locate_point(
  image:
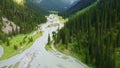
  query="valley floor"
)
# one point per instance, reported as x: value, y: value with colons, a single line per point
x: 37, y: 56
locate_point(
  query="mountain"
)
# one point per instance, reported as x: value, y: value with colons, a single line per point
x: 78, y: 6
x: 93, y: 36
x: 53, y: 5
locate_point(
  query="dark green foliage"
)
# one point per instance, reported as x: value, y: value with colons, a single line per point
x: 48, y: 39
x: 3, y: 36
x: 22, y: 16
x: 97, y: 31
x: 7, y: 42
x: 30, y: 39
x: 15, y: 47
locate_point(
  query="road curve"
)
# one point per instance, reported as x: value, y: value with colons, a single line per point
x: 37, y: 57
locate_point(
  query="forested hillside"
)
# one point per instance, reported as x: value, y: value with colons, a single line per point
x: 35, y: 6
x: 21, y: 15
x: 94, y: 36
x: 79, y: 6
x: 52, y: 5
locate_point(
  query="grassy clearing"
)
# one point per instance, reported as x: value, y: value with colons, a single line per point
x: 21, y: 41
x: 61, y: 48
x: 48, y: 47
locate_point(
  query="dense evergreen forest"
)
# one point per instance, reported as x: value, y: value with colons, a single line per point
x: 94, y: 35
x: 21, y: 15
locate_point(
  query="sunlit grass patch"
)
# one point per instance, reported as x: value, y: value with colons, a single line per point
x: 18, y: 44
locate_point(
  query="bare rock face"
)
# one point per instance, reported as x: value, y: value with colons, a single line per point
x: 9, y: 26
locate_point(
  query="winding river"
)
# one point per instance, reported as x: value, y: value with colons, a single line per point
x: 37, y: 57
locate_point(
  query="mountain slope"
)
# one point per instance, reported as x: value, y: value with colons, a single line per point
x: 93, y: 36
x: 22, y: 16
x: 78, y: 6
x: 53, y: 5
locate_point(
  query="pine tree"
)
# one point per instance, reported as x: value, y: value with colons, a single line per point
x: 49, y: 40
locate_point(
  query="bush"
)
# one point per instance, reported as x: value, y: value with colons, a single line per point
x: 15, y: 47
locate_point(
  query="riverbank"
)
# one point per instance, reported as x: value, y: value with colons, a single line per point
x: 65, y: 54
x: 1, y: 50
x: 18, y: 44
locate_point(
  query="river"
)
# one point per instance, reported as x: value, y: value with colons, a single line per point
x: 38, y: 57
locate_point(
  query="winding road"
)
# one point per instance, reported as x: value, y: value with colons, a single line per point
x: 37, y: 57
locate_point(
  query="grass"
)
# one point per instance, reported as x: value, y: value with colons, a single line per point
x: 61, y: 48
x: 22, y: 41
x: 81, y: 57
x: 48, y: 47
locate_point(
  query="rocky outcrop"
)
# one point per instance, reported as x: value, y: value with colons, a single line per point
x: 9, y: 26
